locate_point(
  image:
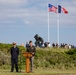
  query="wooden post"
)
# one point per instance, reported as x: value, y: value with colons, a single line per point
x: 27, y: 65
x: 27, y: 55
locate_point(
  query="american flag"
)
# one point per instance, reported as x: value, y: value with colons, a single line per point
x: 52, y: 8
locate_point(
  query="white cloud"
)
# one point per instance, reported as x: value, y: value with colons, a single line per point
x: 27, y: 22
x: 12, y: 1
x: 7, y: 21
x: 24, y: 15
x: 34, y: 14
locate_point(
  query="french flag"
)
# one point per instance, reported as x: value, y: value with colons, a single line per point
x: 60, y: 9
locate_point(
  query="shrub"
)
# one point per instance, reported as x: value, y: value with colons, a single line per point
x: 44, y: 58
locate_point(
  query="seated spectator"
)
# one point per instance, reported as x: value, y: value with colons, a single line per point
x: 53, y: 45
x: 27, y: 45
x: 70, y: 46
x: 66, y: 46
x: 22, y: 45
x: 56, y: 45
x: 43, y: 45
x: 49, y: 44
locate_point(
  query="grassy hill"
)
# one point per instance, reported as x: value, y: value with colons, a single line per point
x: 53, y: 58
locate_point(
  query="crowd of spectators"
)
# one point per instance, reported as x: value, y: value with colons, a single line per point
x: 54, y: 45
x: 39, y: 42
x: 43, y: 45
x: 69, y: 46
x: 63, y: 45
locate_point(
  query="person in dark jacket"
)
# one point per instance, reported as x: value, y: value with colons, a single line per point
x: 14, y: 51
x: 31, y: 49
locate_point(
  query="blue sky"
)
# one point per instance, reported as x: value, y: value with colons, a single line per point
x: 20, y: 20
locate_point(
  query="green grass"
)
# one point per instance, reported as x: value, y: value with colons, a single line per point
x: 48, y: 61
x: 40, y: 72
x: 53, y: 49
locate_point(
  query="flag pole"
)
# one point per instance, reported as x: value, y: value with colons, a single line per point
x: 48, y: 26
x: 58, y: 29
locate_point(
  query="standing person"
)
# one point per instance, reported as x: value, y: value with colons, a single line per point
x: 14, y: 51
x: 31, y: 49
